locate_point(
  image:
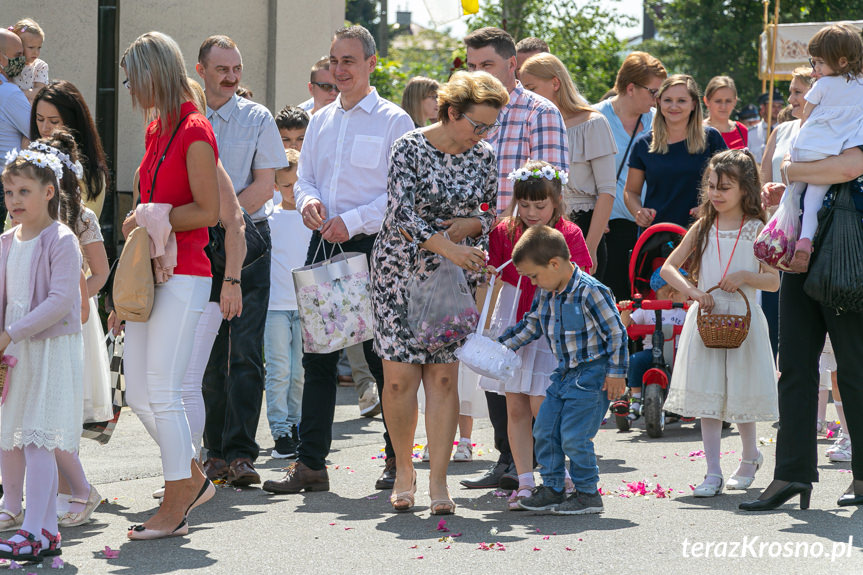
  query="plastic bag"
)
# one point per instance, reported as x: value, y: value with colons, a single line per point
x: 441, y: 308
x: 775, y: 244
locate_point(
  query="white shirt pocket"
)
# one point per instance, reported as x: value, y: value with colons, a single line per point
x: 366, y: 151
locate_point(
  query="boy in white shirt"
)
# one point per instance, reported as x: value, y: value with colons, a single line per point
x: 283, y: 342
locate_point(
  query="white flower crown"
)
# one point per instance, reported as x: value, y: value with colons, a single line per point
x: 547, y: 172
x: 39, y: 159
x: 76, y: 168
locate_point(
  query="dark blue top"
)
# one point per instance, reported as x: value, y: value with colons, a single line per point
x: 673, y: 179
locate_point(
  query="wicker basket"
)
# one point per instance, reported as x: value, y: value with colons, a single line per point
x: 4, y: 376
x: 724, y: 331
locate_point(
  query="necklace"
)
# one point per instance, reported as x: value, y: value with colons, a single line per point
x: 719, y: 250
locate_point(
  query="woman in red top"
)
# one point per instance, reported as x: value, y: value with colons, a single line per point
x: 720, y: 97
x: 537, y: 193
x: 179, y: 168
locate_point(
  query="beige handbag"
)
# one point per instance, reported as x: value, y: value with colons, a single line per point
x: 133, y: 281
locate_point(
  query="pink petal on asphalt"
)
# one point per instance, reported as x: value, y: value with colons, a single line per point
x: 57, y: 563
x: 111, y: 553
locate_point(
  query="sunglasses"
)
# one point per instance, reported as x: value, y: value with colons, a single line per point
x: 483, y: 129
x: 326, y: 87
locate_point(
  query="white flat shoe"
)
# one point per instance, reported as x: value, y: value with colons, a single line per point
x: 159, y: 493
x: 71, y: 519
x: 708, y: 489
x: 742, y: 481
x: 13, y: 521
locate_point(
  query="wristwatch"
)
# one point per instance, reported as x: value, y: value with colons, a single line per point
x: 232, y: 281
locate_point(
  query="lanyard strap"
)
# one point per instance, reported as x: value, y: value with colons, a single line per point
x: 719, y: 250
x: 161, y: 159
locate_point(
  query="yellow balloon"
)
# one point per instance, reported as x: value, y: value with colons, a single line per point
x: 470, y: 6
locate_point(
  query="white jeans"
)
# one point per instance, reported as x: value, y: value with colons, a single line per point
x: 155, y: 360
x: 193, y: 396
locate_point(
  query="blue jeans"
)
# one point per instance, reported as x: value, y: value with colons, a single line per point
x: 283, y: 348
x: 639, y: 363
x: 567, y: 421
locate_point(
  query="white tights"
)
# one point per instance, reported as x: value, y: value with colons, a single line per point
x: 41, y: 478
x: 711, y: 436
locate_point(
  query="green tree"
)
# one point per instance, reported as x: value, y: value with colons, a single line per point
x: 583, y: 37
x: 706, y: 38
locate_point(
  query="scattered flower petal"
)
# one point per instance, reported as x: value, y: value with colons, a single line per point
x: 14, y: 565
x: 57, y: 563
x: 111, y: 553
x: 441, y: 526
x: 537, y: 549
x: 493, y: 531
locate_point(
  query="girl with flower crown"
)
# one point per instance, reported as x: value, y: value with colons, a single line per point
x: 41, y: 405
x: 537, y: 200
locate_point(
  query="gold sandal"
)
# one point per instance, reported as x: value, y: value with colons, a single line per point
x: 404, y: 501
x: 442, y: 507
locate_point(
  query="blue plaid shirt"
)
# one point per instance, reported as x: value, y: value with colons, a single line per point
x: 582, y: 324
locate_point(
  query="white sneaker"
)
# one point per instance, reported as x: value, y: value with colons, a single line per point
x: 369, y: 402
x: 840, y: 450
x: 425, y: 455
x: 463, y: 452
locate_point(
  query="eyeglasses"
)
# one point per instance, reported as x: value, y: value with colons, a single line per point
x: 326, y: 87
x: 127, y: 84
x: 653, y: 91
x: 483, y: 129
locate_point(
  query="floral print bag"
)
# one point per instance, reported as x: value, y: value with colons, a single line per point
x: 335, y: 303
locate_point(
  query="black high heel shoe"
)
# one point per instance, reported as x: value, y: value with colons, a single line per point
x: 851, y: 497
x: 780, y: 497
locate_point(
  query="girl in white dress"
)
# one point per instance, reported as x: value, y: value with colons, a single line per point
x: 40, y: 313
x: 77, y: 498
x: 735, y: 385
x: 832, y: 119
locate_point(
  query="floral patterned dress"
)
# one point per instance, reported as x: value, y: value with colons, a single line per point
x: 425, y: 187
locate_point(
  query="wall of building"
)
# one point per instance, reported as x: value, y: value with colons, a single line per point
x: 279, y: 41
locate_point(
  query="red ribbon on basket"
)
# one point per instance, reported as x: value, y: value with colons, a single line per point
x: 10, y: 362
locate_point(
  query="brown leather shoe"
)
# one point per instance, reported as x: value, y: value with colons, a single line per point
x: 298, y: 478
x: 215, y: 468
x: 388, y: 476
x: 241, y: 473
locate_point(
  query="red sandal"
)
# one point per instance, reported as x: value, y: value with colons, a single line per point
x: 30, y: 541
x: 53, y: 544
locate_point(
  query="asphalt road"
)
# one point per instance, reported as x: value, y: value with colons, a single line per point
x: 351, y: 529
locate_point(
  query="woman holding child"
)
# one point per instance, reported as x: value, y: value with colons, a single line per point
x: 442, y: 193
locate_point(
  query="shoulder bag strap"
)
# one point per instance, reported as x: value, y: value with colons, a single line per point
x: 628, y: 147
x: 740, y: 133
x: 162, y: 159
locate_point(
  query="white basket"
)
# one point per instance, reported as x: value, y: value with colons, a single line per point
x: 487, y: 356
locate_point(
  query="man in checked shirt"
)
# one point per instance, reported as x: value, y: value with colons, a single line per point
x: 530, y: 128
x: 578, y: 316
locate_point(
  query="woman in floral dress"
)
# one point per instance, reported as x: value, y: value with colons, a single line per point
x: 442, y: 193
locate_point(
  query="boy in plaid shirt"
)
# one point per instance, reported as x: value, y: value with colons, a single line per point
x: 580, y: 319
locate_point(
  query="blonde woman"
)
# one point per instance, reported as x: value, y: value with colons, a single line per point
x: 419, y: 100
x: 589, y: 194
x: 671, y: 158
x: 179, y: 168
x: 720, y: 98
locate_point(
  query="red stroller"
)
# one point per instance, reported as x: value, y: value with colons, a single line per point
x: 651, y: 250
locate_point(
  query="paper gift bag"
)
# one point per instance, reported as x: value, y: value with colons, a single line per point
x: 335, y: 302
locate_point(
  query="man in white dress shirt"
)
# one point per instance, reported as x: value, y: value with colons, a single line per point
x: 342, y: 193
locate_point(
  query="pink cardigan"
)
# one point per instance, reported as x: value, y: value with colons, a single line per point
x: 55, y: 271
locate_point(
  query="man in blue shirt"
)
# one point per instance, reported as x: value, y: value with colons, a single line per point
x: 250, y: 149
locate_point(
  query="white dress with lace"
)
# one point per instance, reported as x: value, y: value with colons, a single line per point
x: 735, y: 385
x: 43, y: 404
x: 97, y: 373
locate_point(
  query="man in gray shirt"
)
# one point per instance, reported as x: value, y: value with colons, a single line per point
x: 251, y: 150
